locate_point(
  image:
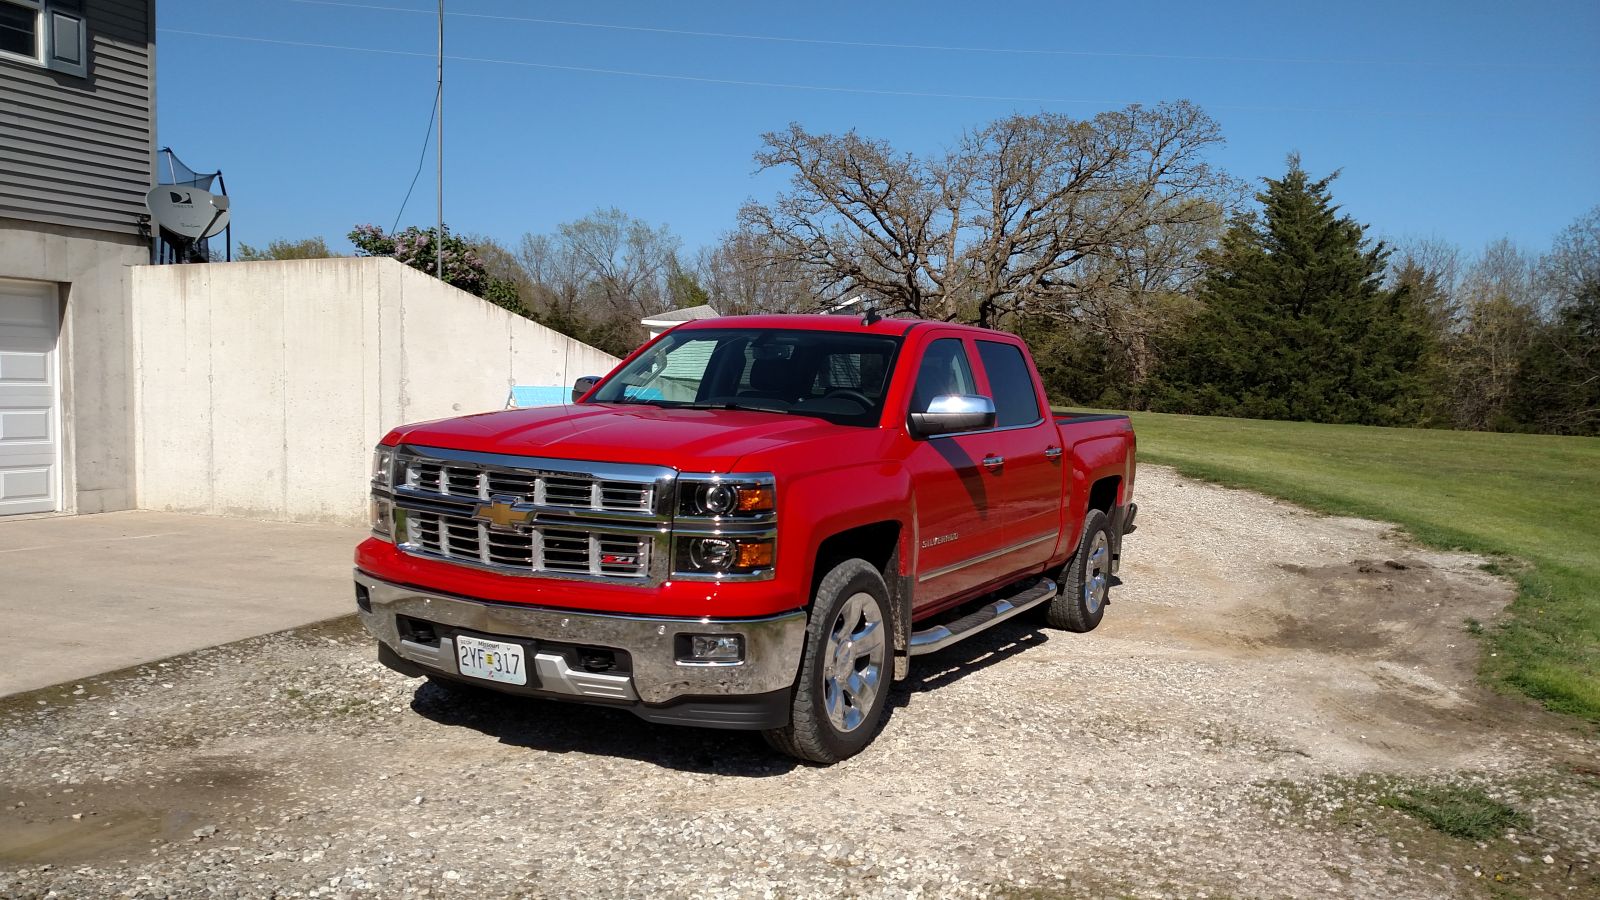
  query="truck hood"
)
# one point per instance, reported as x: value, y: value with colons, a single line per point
x: 695, y: 440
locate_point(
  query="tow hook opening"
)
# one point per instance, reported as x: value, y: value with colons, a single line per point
x: 596, y: 659
x: 417, y: 631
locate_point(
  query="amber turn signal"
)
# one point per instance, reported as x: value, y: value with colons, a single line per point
x: 753, y: 555
x: 756, y: 499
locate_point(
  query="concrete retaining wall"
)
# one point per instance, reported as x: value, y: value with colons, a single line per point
x: 262, y: 386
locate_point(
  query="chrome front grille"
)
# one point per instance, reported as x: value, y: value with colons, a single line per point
x: 539, y: 548
x: 564, y: 490
x: 530, y: 516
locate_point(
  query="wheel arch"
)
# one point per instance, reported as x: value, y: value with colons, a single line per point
x: 880, y: 545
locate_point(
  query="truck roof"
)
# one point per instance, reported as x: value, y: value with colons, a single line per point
x: 821, y: 322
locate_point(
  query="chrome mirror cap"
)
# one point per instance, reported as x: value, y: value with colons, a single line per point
x: 583, y: 386
x: 953, y: 413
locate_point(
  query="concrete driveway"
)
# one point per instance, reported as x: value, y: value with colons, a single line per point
x: 81, y: 595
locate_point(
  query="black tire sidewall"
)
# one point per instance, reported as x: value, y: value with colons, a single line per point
x: 844, y: 581
x: 1093, y: 523
x: 1067, y: 609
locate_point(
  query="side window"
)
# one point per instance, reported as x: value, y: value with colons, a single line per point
x: 19, y: 28
x: 1014, y: 400
x: 944, y: 370
x: 45, y: 32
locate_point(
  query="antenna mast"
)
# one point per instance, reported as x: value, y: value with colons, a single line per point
x: 438, y: 234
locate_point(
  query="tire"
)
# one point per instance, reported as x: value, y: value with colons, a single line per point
x: 1086, y: 585
x: 845, y: 671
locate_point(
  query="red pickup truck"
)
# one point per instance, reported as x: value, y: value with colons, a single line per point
x: 751, y: 523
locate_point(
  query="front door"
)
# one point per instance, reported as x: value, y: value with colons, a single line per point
x: 30, y: 398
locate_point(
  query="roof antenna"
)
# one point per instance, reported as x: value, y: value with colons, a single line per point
x: 869, y: 312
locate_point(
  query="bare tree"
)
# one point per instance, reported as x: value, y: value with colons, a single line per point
x: 624, y: 259
x: 1431, y: 270
x: 747, y: 272
x: 1572, y: 266
x: 1027, y: 213
x: 1499, y: 299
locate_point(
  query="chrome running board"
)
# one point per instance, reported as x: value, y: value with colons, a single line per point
x: 941, y: 636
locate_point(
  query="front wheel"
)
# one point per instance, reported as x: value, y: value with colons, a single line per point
x: 1086, y: 586
x: 843, y: 686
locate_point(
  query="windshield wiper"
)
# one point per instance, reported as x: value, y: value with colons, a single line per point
x: 728, y: 404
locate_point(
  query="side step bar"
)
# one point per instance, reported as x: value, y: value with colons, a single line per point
x: 942, y: 636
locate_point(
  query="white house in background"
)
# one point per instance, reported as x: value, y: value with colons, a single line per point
x: 663, y: 321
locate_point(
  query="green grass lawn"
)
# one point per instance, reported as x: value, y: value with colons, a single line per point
x: 1532, y: 498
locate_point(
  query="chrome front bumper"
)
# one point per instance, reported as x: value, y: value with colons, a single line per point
x: 772, y: 645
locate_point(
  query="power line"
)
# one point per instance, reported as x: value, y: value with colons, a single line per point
x: 1478, y: 115
x: 656, y: 75
x: 947, y: 48
x: 426, y: 135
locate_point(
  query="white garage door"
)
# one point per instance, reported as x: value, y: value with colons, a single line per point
x: 30, y: 398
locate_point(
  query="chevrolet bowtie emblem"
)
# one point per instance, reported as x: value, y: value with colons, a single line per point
x: 503, y: 514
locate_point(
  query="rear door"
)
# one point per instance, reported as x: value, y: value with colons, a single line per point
x: 1028, y: 442
x: 960, y: 530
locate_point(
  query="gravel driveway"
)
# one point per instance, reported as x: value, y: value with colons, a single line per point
x: 1261, y: 679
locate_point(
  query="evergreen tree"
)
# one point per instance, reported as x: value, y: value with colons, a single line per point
x: 1296, y: 323
x: 1558, y: 381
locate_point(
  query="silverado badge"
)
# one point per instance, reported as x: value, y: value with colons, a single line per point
x: 503, y: 514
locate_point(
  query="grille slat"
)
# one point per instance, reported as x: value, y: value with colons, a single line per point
x: 582, y: 550
x: 564, y: 550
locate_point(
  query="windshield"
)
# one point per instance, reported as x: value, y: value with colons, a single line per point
x: 832, y: 375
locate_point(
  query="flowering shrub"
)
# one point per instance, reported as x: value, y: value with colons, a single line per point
x: 463, y: 267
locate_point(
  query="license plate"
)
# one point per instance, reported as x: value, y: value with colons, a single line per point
x: 491, y: 660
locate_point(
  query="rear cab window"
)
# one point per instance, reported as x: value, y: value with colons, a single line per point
x: 1016, y: 403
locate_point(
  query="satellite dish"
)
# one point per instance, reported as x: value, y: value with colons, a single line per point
x: 188, y: 212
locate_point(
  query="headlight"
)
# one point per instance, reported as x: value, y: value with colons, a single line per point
x: 719, y: 556
x: 750, y: 496
x: 380, y: 506
x: 726, y: 527
x: 381, y: 511
x: 383, y: 467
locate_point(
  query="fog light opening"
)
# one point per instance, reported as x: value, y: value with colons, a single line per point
x: 711, y: 649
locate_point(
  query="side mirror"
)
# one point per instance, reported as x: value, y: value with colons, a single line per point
x: 583, y: 386
x: 952, y: 413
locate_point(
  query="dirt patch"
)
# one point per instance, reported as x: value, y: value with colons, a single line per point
x: 1263, y: 679
x: 118, y: 818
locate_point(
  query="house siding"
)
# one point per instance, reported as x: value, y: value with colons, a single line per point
x: 80, y: 152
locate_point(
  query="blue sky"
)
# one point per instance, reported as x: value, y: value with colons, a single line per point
x: 1466, y: 121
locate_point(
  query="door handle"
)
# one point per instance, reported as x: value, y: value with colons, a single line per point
x: 993, y: 462
x: 1052, y: 453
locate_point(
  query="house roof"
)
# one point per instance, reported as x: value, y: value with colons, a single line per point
x: 688, y: 314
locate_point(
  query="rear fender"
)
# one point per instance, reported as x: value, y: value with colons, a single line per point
x: 1092, y: 460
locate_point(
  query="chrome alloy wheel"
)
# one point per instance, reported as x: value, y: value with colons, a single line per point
x: 1097, y: 573
x: 854, y: 664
